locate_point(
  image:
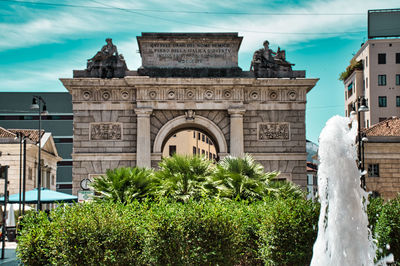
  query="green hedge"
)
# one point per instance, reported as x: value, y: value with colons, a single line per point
x: 387, y: 230
x: 204, y: 232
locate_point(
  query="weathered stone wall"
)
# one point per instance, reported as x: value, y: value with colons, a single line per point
x: 255, y: 144
x: 263, y: 117
x: 85, y: 142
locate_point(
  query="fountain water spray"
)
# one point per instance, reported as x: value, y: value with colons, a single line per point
x: 343, y: 234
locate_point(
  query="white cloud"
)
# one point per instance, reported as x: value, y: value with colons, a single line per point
x: 277, y: 29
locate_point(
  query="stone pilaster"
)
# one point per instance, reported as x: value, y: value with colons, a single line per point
x: 143, y: 152
x: 236, y: 131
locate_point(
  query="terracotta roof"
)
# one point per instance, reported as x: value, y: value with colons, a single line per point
x: 387, y: 128
x: 32, y: 134
x: 4, y: 133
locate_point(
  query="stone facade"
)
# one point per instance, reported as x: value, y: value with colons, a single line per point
x: 10, y: 155
x: 387, y: 157
x: 232, y: 111
x: 189, y: 81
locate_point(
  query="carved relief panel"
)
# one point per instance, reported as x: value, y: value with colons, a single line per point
x: 273, y: 131
x: 106, y: 131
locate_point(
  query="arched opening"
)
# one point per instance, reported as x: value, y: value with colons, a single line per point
x: 198, y: 124
x: 190, y: 141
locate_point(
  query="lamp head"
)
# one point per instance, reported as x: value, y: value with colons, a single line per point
x: 363, y: 107
x: 34, y: 105
x: 44, y: 111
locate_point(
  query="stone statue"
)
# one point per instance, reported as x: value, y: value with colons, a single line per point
x: 107, y: 63
x: 268, y: 64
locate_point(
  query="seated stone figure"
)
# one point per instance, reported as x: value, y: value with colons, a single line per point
x: 268, y: 64
x: 107, y: 63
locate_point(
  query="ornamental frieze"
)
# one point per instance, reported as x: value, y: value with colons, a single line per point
x: 104, y: 94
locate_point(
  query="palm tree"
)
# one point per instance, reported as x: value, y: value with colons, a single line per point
x: 285, y: 189
x: 125, y: 184
x: 183, y: 177
x: 242, y: 178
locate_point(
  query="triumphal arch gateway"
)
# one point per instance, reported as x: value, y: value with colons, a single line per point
x: 188, y: 81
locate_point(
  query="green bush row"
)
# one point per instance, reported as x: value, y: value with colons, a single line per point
x: 203, y: 232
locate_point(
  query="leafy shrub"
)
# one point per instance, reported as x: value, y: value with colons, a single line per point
x: 125, y: 184
x: 374, y: 209
x: 183, y: 177
x: 85, y: 234
x: 388, y: 229
x: 242, y: 178
x: 354, y: 65
x: 288, y: 232
x: 203, y: 232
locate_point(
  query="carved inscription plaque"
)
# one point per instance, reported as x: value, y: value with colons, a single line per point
x: 106, y: 131
x: 189, y: 50
x: 273, y: 131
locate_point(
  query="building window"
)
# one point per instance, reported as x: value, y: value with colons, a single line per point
x: 198, y: 135
x: 203, y: 138
x: 172, y: 150
x: 397, y: 101
x: 29, y: 173
x: 382, y: 101
x: 366, y: 83
x: 194, y: 150
x: 350, y: 89
x: 382, y: 80
x: 194, y: 134
x: 366, y: 61
x: 207, y: 140
x: 397, y: 58
x: 203, y: 152
x: 382, y: 119
x: 373, y: 170
x: 381, y: 58
x: 397, y: 79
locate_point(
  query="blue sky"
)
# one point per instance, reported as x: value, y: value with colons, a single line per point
x: 42, y: 41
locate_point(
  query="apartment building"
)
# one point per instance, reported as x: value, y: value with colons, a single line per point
x: 374, y: 73
x: 190, y: 142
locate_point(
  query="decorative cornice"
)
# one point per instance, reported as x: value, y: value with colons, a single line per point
x: 104, y: 156
x: 279, y: 156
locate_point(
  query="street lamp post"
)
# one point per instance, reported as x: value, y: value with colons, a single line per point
x: 21, y: 138
x: 37, y: 102
x: 361, y: 107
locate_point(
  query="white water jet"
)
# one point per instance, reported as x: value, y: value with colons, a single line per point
x: 343, y: 234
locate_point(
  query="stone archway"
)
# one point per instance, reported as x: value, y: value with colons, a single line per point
x: 123, y: 121
x: 182, y: 122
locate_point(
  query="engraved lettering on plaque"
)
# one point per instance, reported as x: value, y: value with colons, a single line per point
x: 105, y: 131
x: 273, y: 131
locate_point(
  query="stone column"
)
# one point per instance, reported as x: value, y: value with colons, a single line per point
x: 236, y: 138
x: 143, y: 149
